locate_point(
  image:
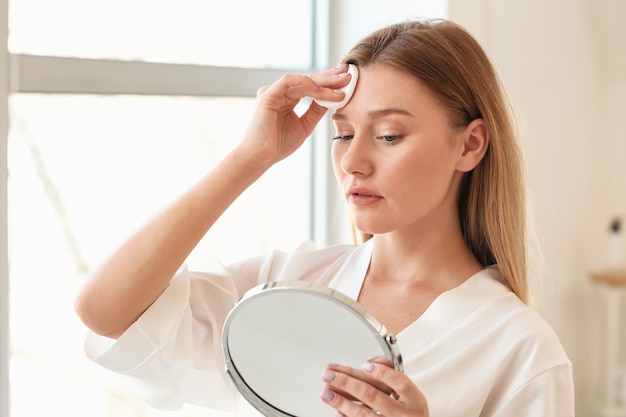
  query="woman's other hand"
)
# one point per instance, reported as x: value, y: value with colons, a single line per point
x: 377, y: 389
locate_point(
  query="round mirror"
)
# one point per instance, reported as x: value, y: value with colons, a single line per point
x: 280, y: 336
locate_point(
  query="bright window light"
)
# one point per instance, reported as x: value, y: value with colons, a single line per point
x: 245, y: 33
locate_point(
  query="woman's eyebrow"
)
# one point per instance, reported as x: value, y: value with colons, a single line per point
x: 376, y: 114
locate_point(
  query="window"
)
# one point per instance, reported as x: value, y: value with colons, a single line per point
x: 96, y: 155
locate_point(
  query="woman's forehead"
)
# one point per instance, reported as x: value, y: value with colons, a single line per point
x: 384, y: 90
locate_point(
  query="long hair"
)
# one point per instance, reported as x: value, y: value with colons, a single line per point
x: 447, y: 59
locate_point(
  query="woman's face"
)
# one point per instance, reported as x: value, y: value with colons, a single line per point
x: 396, y: 154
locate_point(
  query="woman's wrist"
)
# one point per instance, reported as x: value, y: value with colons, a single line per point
x: 251, y: 161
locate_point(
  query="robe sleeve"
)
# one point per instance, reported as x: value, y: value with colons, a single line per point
x: 173, y: 351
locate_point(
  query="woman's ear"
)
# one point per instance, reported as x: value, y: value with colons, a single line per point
x: 475, y: 143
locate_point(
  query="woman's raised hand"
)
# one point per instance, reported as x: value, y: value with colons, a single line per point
x: 275, y: 130
x: 378, y: 389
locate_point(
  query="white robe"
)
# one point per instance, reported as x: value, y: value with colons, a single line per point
x: 476, y: 351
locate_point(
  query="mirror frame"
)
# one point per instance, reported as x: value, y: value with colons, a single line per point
x: 386, y: 340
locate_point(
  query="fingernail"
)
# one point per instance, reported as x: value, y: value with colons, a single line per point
x: 373, y: 358
x: 368, y: 367
x: 328, y: 376
x: 340, y: 414
x: 339, y: 66
x: 338, y: 92
x: 328, y: 395
x: 343, y: 74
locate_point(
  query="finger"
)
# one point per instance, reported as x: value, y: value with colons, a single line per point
x: 312, y: 116
x: 360, y: 374
x: 346, y: 406
x: 403, y: 391
x: 399, y: 384
x: 260, y: 92
x: 352, y: 385
x: 290, y: 88
x: 381, y: 360
x: 333, y: 78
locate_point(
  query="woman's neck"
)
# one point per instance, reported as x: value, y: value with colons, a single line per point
x: 438, y: 260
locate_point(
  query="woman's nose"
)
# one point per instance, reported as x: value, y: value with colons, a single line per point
x: 356, y: 159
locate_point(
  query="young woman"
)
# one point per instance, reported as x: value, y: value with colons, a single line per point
x: 427, y: 157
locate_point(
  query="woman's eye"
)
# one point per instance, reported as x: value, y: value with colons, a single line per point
x: 389, y: 138
x: 343, y: 137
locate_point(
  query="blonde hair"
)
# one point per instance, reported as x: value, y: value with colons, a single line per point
x: 450, y: 61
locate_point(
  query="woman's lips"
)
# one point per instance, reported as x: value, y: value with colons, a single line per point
x: 362, y: 196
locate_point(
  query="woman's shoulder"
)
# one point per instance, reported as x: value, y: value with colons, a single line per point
x: 521, y: 327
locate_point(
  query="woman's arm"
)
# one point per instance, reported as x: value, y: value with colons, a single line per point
x: 118, y: 292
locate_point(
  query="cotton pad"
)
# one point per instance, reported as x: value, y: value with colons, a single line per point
x: 348, y: 90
